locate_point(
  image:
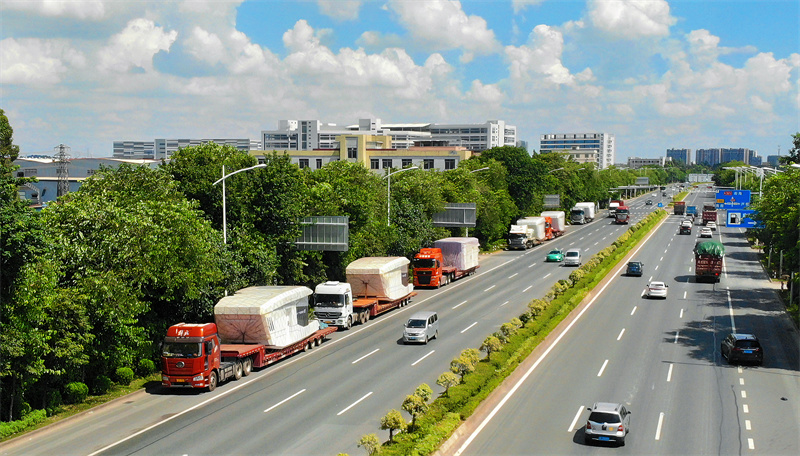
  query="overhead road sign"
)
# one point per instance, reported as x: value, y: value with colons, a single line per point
x: 740, y: 218
x: 733, y: 199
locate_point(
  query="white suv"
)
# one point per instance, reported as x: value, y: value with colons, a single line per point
x: 572, y: 257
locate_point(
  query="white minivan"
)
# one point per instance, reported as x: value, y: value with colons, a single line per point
x: 572, y: 257
x: 421, y: 327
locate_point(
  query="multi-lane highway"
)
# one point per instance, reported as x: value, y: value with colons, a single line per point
x: 322, y: 401
x: 661, y: 358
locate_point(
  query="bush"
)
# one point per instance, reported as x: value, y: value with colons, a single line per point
x: 101, y: 385
x: 31, y: 419
x: 124, y: 375
x: 145, y: 367
x: 76, y: 392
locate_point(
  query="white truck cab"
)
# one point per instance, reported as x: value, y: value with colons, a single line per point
x: 333, y: 304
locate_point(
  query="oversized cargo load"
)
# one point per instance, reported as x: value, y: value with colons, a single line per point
x: 679, y: 208
x: 384, y: 277
x: 521, y: 237
x: 459, y: 252
x: 537, y: 223
x: 269, y: 315
x: 583, y: 212
x: 712, y: 248
x: 559, y: 219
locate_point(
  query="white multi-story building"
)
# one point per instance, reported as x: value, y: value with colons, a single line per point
x: 164, y: 148
x: 637, y: 162
x: 598, y: 148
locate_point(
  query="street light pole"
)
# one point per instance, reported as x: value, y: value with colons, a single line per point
x: 224, y: 208
x: 389, y: 192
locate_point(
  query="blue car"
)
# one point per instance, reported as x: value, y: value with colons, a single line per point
x: 635, y: 268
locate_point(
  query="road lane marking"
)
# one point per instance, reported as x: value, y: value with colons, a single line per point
x: 596, y: 242
x: 744, y: 394
x: 470, y: 326
x: 285, y: 400
x: 621, y: 333
x: 730, y: 311
x: 370, y: 353
x: 458, y: 305
x: 513, y: 275
x: 676, y: 336
x: 355, y: 403
x: 548, y: 275
x: 575, y: 420
x: 660, y: 423
x: 602, y: 368
x: 745, y: 408
x: 634, y: 310
x: 534, y: 264
x: 489, y: 288
x: 656, y: 269
x: 750, y: 444
x: 651, y: 279
x: 662, y: 259
x: 429, y: 354
x: 501, y: 305
x: 681, y: 315
x: 747, y: 425
x: 741, y: 381
x: 582, y: 238
x: 739, y: 369
x: 645, y: 289
x: 571, y: 243
x: 527, y: 289
x: 669, y: 372
x: 684, y: 294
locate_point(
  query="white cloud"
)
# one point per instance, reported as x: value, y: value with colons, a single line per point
x: 205, y: 46
x: 93, y: 10
x: 631, y: 19
x: 485, y: 93
x: 37, y: 62
x: 340, y: 9
x: 520, y: 5
x: 540, y: 58
x: 443, y: 25
x: 135, y: 46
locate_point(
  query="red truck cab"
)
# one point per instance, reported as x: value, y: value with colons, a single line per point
x: 428, y: 264
x: 622, y: 215
x: 190, y: 354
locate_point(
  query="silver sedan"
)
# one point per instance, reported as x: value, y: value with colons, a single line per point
x: 656, y: 290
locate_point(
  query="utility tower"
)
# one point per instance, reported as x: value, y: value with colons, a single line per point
x: 62, y: 158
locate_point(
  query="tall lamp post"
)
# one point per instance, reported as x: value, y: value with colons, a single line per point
x: 224, y: 209
x: 389, y: 190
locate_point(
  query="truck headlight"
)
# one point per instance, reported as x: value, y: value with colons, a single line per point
x: 164, y: 378
x: 197, y: 378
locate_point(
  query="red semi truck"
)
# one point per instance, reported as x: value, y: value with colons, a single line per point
x: 450, y: 259
x: 192, y: 355
x: 622, y: 215
x: 709, y: 213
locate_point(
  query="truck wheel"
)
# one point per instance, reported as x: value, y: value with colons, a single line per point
x: 237, y: 370
x: 212, y: 382
x: 365, y: 317
x: 349, y: 323
x: 247, y: 367
x: 309, y: 345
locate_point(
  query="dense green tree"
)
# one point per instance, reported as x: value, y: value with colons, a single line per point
x: 393, y: 421
x: 794, y: 152
x: 523, y: 175
x: 778, y: 211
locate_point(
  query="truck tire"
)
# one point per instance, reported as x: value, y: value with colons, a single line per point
x: 247, y: 366
x: 237, y: 370
x: 349, y: 323
x: 212, y: 382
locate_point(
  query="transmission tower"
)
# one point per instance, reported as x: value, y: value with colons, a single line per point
x: 62, y: 158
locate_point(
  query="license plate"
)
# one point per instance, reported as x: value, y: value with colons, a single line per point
x: 605, y: 439
x: 180, y: 380
x: 748, y: 351
x: 611, y: 428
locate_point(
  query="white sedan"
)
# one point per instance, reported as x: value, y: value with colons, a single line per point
x: 712, y: 226
x: 656, y: 290
x: 705, y: 232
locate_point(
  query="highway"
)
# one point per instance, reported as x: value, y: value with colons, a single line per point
x: 323, y: 401
x: 661, y: 359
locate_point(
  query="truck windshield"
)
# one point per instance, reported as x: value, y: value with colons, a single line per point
x: 577, y: 212
x: 182, y: 350
x: 425, y: 263
x: 329, y: 300
x: 515, y: 236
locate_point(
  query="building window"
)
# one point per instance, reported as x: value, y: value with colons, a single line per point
x: 427, y: 163
x: 319, y: 163
x: 373, y: 163
x: 386, y: 163
x: 89, y: 172
x: 352, y: 152
x: 303, y: 163
x: 449, y: 163
x: 406, y: 162
x: 29, y: 172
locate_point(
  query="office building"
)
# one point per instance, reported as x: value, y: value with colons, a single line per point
x: 710, y: 157
x: 680, y: 156
x: 773, y: 160
x: 598, y: 148
x: 164, y: 148
x: 636, y: 162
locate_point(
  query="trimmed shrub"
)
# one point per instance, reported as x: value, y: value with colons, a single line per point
x: 124, y: 375
x: 76, y: 392
x: 31, y: 419
x: 101, y: 385
x: 145, y: 367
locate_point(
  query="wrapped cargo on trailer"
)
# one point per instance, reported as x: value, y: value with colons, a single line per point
x: 385, y: 277
x: 538, y: 225
x: 270, y: 315
x: 459, y: 252
x: 558, y: 221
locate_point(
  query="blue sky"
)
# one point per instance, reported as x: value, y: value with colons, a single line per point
x: 658, y: 74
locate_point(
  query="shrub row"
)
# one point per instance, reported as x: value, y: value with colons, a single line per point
x: 458, y: 402
x: 31, y: 419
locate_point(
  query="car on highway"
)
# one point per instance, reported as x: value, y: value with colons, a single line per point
x: 572, y: 257
x: 608, y: 422
x: 656, y: 290
x: 635, y: 268
x: 705, y: 232
x: 712, y: 226
x: 663, y: 193
x: 648, y: 203
x: 685, y: 228
x: 421, y: 327
x: 555, y: 255
x: 739, y: 347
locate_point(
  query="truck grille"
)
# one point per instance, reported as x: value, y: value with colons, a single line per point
x: 424, y: 278
x: 330, y: 315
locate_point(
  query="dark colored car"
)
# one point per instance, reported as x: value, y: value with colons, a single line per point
x: 742, y: 347
x: 685, y: 229
x: 635, y: 268
x: 648, y: 203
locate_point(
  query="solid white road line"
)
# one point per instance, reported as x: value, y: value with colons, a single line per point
x: 285, y: 400
x: 575, y: 420
x: 370, y: 353
x: 489, y: 288
x: 470, y: 326
x: 669, y: 372
x: 599, y: 374
x: 660, y: 423
x: 621, y: 333
x: 429, y: 354
x: 462, y: 303
x: 355, y: 403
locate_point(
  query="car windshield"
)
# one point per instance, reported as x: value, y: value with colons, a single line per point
x: 555, y: 252
x: 657, y: 285
x: 424, y: 263
x: 415, y: 324
x: 182, y: 350
x: 604, y: 417
x: 572, y: 254
x: 329, y: 300
x: 634, y: 265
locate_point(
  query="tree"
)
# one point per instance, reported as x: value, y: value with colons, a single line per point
x: 424, y: 391
x: 414, y: 405
x: 778, y: 210
x: 392, y: 421
x: 370, y: 443
x: 490, y: 345
x: 447, y: 380
x: 465, y: 363
x: 794, y: 152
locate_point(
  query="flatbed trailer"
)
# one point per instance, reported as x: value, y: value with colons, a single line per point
x: 371, y: 307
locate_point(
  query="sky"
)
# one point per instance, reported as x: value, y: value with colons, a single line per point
x: 657, y: 74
